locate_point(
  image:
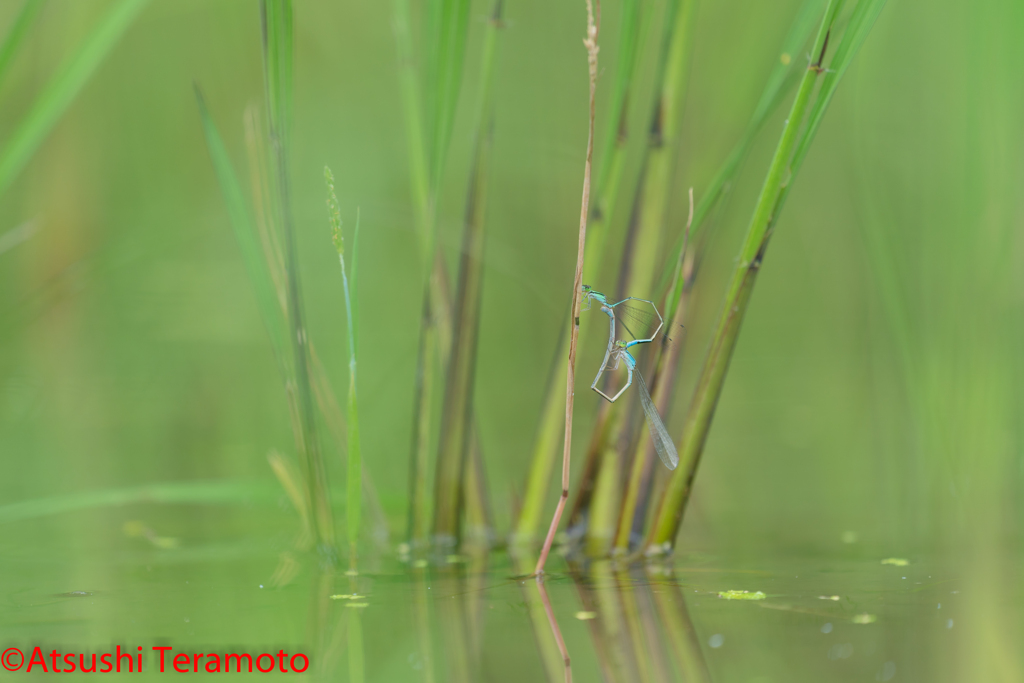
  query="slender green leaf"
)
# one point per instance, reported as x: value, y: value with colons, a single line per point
x: 184, y: 492
x: 448, y: 26
x: 62, y: 89
x: 709, y: 388
x: 863, y: 18
x: 625, y: 66
x: 787, y: 68
x: 278, y: 48
x: 277, y: 56
x: 14, y: 37
x: 355, y: 464
x: 244, y: 229
x: 457, y: 414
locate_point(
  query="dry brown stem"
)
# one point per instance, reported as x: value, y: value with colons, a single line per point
x: 590, y: 42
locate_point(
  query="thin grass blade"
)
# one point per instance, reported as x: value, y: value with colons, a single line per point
x: 456, y: 443
x: 355, y: 464
x: 783, y: 75
x: 278, y: 48
x: 62, y: 89
x: 777, y: 181
x: 448, y: 26
x: 861, y: 22
x: 19, y: 28
x: 244, y: 229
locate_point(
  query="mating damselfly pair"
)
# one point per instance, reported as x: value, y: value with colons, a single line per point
x: 649, y: 323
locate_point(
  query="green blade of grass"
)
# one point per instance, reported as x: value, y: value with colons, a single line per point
x: 354, y: 476
x: 278, y: 47
x: 412, y: 109
x: 428, y: 130
x: 457, y: 414
x: 613, y: 152
x: 278, y: 50
x: 863, y: 18
x: 650, y: 205
x: 780, y: 79
x: 244, y: 229
x: 355, y: 454
x: 698, y: 421
x: 62, y: 89
x: 212, y: 492
x: 448, y: 23
x: 861, y: 22
x: 15, y: 36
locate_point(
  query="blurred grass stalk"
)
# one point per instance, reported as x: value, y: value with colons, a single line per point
x: 273, y: 263
x: 680, y: 273
x: 272, y: 267
x: 424, y: 126
x: 789, y: 155
x: 61, y: 90
x: 353, y: 480
x: 429, y: 118
x: 276, y: 21
x: 606, y: 190
x: 457, y: 413
x: 666, y: 363
x: 16, y: 34
x: 783, y: 76
x: 648, y: 232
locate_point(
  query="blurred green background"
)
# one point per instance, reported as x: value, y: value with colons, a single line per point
x: 876, y: 386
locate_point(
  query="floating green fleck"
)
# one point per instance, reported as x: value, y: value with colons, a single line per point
x: 829, y: 597
x: 896, y: 561
x: 865, y: 619
x: 742, y: 595
x: 347, y: 596
x: 586, y: 616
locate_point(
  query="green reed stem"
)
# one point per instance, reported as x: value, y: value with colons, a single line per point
x: 698, y: 421
x: 634, y: 500
x: 783, y: 75
x: 353, y: 501
x: 457, y: 415
x: 651, y: 201
x: 277, y: 27
x: 611, y: 162
x: 428, y: 132
x: 273, y: 257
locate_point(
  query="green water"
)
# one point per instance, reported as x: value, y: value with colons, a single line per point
x: 90, y: 587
